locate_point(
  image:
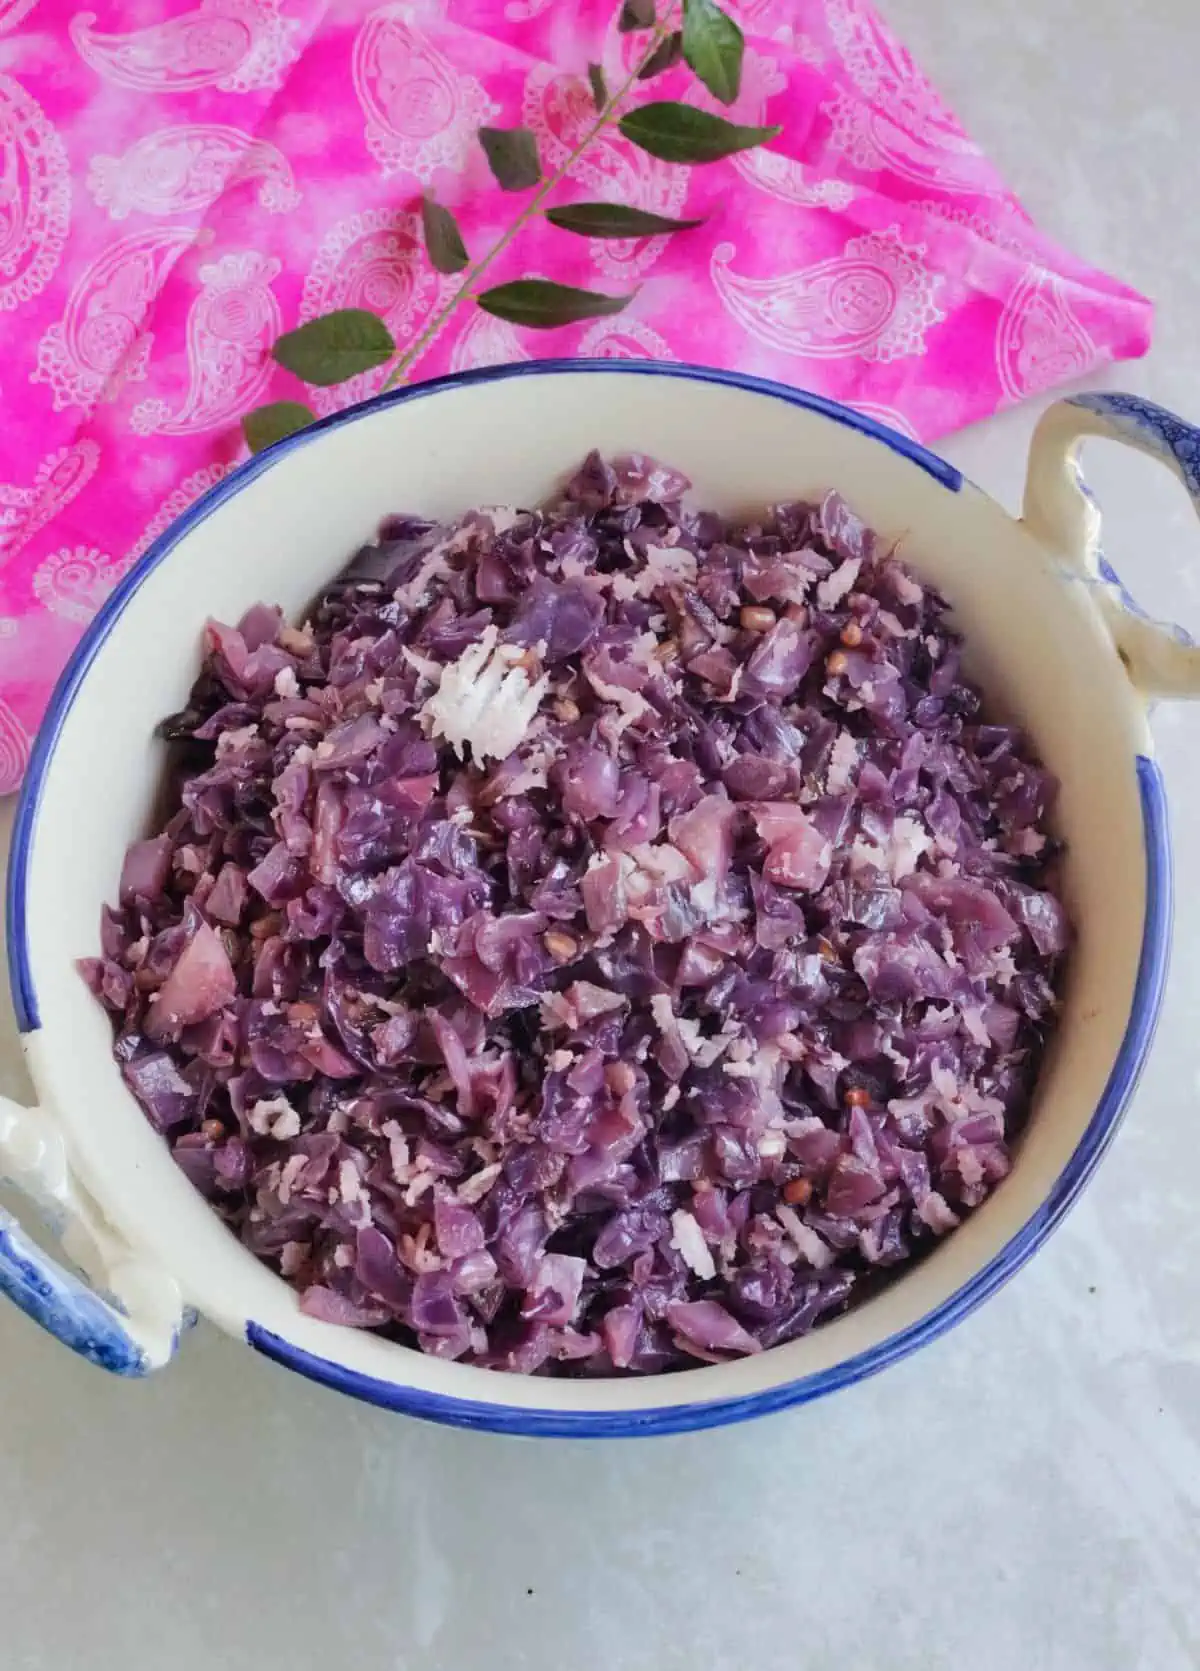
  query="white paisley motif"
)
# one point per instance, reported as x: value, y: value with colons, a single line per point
x: 236, y: 45
x: 871, y: 142
x: 624, y: 339
x: 181, y: 170
x: 375, y: 260
x: 785, y: 178
x: 558, y: 109
x: 886, y: 75
x: 898, y: 122
x: 14, y: 749
x: 421, y: 113
x: 35, y: 196
x: 74, y: 583
x: 875, y: 301
x: 956, y: 215
x: 57, y: 480
x: 487, y: 341
x: 173, y: 506
x: 781, y: 176
x: 99, y: 346
x: 231, y: 326
x: 1039, y: 341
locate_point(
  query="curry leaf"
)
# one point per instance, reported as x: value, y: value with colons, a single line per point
x: 636, y: 14
x: 443, y: 240
x: 680, y: 133
x: 268, y: 424
x: 598, y: 85
x: 712, y: 45
x: 614, y: 220
x: 543, y: 304
x: 512, y: 157
x: 664, y: 57
x: 336, y: 346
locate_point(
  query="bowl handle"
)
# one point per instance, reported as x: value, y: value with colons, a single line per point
x: 1061, y: 512
x: 132, y: 1324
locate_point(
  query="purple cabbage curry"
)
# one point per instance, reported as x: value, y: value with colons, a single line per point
x: 602, y: 939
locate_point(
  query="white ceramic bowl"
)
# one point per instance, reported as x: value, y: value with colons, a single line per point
x: 1055, y: 644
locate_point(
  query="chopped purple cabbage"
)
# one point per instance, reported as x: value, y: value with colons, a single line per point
x: 602, y: 939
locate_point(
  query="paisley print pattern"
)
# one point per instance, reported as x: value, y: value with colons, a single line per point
x: 376, y: 261
x: 892, y: 120
x: 1012, y: 236
x: 101, y: 344
x: 182, y: 180
x: 875, y: 301
x: 790, y: 181
x: 14, y: 749
x: 625, y: 339
x: 874, y: 144
x: 25, y: 510
x: 35, y: 196
x: 420, y: 114
x: 486, y: 341
x: 1039, y: 341
x: 230, y: 329
x: 236, y: 45
x: 884, y: 74
x: 774, y: 172
x: 74, y: 583
x: 181, y: 170
x: 174, y: 506
x: 558, y: 109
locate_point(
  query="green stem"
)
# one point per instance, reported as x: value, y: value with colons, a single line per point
x: 604, y: 117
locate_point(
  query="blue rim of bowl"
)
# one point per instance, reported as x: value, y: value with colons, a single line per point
x: 511, y: 1419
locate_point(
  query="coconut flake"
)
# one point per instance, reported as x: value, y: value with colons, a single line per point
x: 688, y: 1238
x: 843, y: 758
x: 630, y: 705
x: 229, y: 741
x: 286, y: 1126
x: 833, y: 589
x: 293, y: 1167
x: 936, y: 1212
x: 477, y: 1186
x: 1026, y: 844
x: 398, y: 1150
x: 910, y: 842
x: 810, y: 1246
x: 485, y: 700
x: 349, y: 1182
x: 665, y: 566
x: 269, y: 1113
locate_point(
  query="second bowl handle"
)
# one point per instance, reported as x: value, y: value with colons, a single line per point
x: 1061, y: 512
x: 135, y: 1331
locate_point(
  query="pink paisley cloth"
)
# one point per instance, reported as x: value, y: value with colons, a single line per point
x: 179, y: 183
